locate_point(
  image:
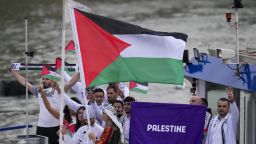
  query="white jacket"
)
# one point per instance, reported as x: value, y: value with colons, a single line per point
x: 229, y: 126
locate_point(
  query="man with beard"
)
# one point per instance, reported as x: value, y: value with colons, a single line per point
x: 119, y: 106
x: 127, y: 117
x: 112, y: 94
x: 122, y: 90
x: 48, y: 125
x: 222, y: 128
x: 99, y: 96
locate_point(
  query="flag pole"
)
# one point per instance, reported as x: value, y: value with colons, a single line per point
x: 237, y: 37
x: 26, y: 81
x: 79, y: 60
x: 62, y: 68
x: 38, y: 66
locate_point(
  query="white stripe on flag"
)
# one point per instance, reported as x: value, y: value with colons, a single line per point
x: 148, y: 46
x: 142, y: 87
x: 54, y: 74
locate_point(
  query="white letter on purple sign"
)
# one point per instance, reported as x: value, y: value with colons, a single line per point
x: 149, y: 127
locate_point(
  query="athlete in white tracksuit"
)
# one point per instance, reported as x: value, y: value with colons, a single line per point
x: 223, y: 127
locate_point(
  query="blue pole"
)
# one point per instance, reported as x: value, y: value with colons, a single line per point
x: 15, y: 127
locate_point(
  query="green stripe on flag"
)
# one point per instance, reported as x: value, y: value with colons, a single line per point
x: 153, y: 70
x: 52, y: 77
x: 139, y: 90
x: 71, y: 52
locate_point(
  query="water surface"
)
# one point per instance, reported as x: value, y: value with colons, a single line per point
x: 202, y: 20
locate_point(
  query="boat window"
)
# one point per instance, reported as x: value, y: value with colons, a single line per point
x: 214, y: 92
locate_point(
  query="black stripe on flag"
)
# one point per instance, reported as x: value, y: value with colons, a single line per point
x: 50, y: 68
x: 143, y: 83
x: 118, y: 27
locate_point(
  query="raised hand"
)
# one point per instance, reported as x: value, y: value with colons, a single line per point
x: 120, y: 93
x: 92, y: 136
x: 63, y: 130
x: 40, y: 89
x: 91, y: 96
x: 56, y: 86
x: 14, y: 66
x: 230, y: 93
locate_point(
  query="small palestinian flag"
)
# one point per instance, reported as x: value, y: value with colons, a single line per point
x: 58, y: 64
x: 70, y: 47
x: 112, y: 50
x: 49, y: 72
x: 138, y: 87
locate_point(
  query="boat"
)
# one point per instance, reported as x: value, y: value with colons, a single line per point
x: 211, y: 76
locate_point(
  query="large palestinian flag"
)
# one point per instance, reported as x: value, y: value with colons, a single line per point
x: 113, y: 51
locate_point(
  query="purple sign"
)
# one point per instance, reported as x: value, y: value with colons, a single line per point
x: 160, y: 123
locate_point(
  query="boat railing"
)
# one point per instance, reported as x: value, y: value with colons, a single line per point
x: 14, y: 127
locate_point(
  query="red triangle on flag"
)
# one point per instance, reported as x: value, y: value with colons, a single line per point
x: 70, y: 46
x: 98, y: 48
x: 57, y: 63
x: 45, y: 70
x: 132, y: 85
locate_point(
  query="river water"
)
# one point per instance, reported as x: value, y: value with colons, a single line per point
x: 203, y: 21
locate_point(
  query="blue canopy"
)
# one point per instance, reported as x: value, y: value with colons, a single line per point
x: 212, y: 69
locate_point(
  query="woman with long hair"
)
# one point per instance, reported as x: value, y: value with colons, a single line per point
x: 79, y: 118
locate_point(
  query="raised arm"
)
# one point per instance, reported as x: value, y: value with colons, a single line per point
x: 22, y: 80
x: 233, y: 107
x: 70, y: 103
x: 75, y: 86
x: 47, y: 104
x: 98, y: 112
x: 72, y: 83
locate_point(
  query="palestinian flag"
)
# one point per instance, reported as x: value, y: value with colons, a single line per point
x: 49, y: 72
x: 113, y: 51
x: 138, y: 87
x: 58, y: 65
x: 70, y: 47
